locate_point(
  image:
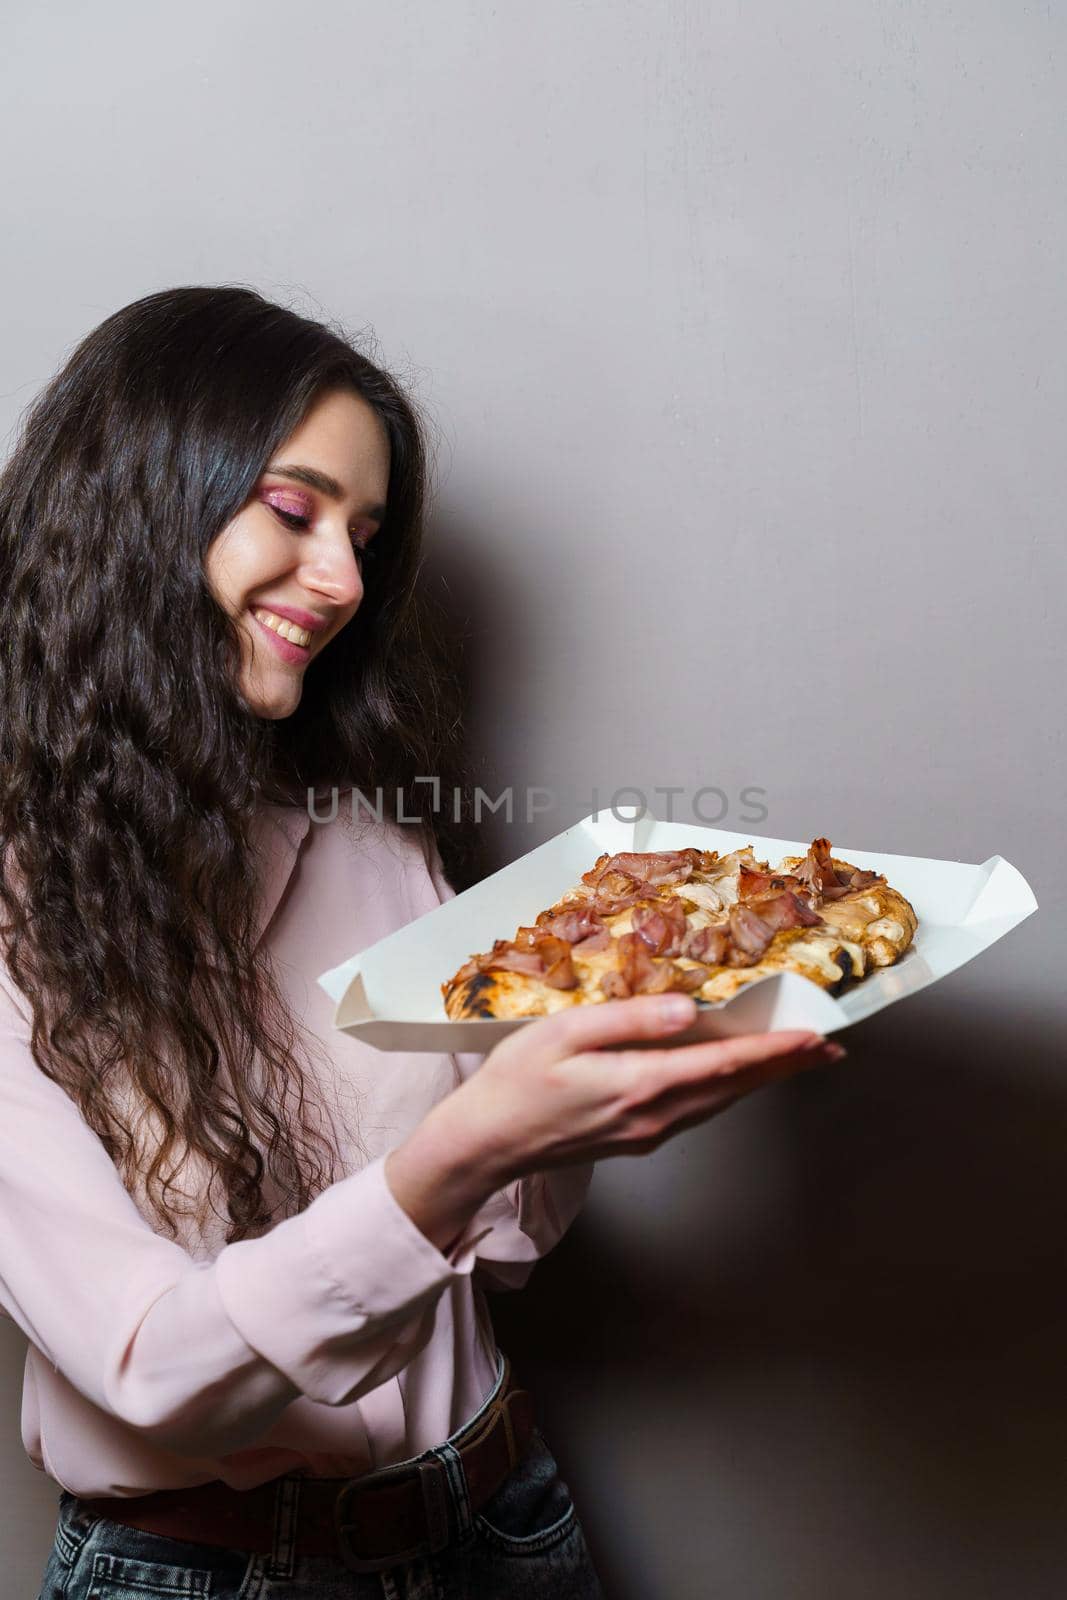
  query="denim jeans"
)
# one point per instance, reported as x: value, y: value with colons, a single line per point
x: 524, y: 1543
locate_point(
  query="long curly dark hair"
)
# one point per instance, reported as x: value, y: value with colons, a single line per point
x: 130, y: 766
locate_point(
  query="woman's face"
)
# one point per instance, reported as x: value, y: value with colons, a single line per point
x: 291, y: 559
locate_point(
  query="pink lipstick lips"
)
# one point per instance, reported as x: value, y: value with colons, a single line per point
x: 294, y: 654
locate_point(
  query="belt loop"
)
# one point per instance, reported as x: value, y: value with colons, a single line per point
x: 434, y: 1479
x: 286, y: 1510
x: 448, y: 1456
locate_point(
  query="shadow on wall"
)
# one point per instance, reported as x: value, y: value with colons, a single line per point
x: 474, y: 614
x: 893, y: 1354
x: 824, y: 1354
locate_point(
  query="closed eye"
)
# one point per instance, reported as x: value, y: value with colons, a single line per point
x: 291, y: 519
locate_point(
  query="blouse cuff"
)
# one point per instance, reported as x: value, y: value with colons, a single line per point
x: 327, y: 1295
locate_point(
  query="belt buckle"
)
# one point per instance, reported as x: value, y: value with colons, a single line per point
x: 433, y: 1481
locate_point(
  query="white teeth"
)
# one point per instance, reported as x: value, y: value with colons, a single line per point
x: 288, y: 630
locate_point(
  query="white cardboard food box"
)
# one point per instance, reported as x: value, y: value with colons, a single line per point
x: 390, y: 993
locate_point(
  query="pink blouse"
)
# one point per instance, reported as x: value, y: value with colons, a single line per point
x: 341, y: 1340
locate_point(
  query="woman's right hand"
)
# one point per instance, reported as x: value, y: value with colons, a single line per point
x: 578, y: 1086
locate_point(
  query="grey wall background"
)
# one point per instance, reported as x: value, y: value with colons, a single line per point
x: 743, y: 328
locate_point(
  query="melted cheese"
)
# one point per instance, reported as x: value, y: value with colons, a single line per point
x: 846, y: 915
x: 707, y: 897
x: 806, y: 948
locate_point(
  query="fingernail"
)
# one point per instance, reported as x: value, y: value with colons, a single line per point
x: 818, y: 1043
x: 676, y: 1008
x: 835, y: 1051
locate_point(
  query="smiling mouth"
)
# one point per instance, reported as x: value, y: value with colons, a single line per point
x: 285, y: 630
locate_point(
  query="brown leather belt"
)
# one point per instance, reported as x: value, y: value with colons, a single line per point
x: 371, y: 1522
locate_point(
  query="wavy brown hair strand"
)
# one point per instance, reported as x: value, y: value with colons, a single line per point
x: 132, y: 769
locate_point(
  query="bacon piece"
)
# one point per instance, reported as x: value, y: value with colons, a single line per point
x: 606, y: 865
x: 609, y: 905
x: 638, y: 973
x: 703, y: 860
x: 853, y: 878
x: 613, y: 882
x: 596, y: 941
x: 559, y: 968
x: 818, y: 870
x: 571, y: 924
x: 753, y: 926
x: 706, y: 944
x: 690, y: 978
x: 534, y: 953
x: 786, y: 910
x: 512, y: 960
x: 638, y: 968
x: 662, y: 925
x: 754, y: 885
x: 749, y: 937
x: 817, y: 867
x: 652, y: 867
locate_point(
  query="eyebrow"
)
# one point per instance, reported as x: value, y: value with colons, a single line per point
x: 325, y: 485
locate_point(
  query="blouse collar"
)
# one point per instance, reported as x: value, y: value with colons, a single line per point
x: 278, y: 834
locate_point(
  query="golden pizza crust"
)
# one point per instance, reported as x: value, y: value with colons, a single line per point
x: 506, y: 994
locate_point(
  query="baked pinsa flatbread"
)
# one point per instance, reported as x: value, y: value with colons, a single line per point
x: 642, y: 923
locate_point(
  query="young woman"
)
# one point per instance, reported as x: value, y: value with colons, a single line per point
x: 249, y: 1254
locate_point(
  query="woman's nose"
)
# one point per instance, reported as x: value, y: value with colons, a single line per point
x: 333, y: 569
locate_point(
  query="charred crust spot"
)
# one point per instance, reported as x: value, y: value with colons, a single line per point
x: 844, y: 961
x: 477, y: 992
